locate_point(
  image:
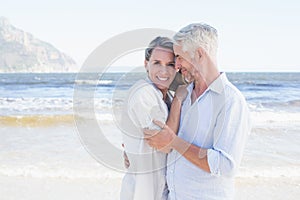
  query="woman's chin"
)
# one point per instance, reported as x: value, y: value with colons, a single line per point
x: 162, y: 87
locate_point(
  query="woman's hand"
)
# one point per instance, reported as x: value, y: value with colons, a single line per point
x: 181, y: 92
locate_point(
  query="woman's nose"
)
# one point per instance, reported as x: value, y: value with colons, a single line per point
x: 164, y: 69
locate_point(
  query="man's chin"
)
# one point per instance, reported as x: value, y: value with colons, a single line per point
x: 188, y: 79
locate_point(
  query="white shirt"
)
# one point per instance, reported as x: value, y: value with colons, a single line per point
x: 146, y: 176
x: 218, y: 121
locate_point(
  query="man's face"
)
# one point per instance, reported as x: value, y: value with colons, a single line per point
x: 184, y: 63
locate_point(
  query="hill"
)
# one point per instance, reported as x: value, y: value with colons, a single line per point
x: 22, y: 52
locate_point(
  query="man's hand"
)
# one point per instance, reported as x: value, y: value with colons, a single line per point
x: 160, y: 140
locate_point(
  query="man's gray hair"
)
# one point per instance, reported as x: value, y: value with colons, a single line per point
x: 197, y: 35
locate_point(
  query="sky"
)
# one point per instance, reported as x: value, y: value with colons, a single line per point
x: 256, y: 35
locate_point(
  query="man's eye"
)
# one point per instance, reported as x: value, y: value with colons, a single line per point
x: 171, y: 65
x: 178, y: 57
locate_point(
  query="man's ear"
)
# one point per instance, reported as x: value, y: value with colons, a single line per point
x: 199, y: 53
x: 146, y: 65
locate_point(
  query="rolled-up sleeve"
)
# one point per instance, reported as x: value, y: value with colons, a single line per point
x: 230, y: 135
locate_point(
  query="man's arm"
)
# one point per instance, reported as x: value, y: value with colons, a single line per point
x: 192, y: 153
x: 167, y: 137
x: 229, y: 141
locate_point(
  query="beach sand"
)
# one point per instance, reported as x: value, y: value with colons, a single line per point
x: 28, y: 188
x: 50, y: 163
x: 267, y: 188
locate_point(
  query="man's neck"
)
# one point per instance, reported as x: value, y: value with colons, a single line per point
x: 199, y: 88
x: 206, y: 75
x: 207, y: 68
x: 210, y: 73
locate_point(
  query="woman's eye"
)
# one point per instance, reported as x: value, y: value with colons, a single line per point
x: 171, y: 65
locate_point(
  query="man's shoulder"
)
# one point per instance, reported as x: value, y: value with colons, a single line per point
x: 232, y: 92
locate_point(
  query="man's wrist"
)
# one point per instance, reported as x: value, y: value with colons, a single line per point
x: 180, y: 145
x: 175, y: 142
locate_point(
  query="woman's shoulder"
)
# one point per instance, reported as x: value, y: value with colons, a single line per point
x: 143, y: 87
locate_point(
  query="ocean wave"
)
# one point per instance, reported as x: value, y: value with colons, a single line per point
x: 94, y: 82
x: 268, y: 85
x: 274, y: 104
x: 43, y: 83
x: 270, y: 172
x: 105, y: 112
x: 267, y: 117
x: 293, y: 105
x: 35, y: 106
x: 262, y: 77
x: 52, y: 106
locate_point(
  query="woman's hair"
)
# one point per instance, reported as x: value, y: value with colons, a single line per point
x: 198, y: 35
x: 163, y: 42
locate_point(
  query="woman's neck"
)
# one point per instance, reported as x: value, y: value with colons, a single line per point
x: 164, y: 93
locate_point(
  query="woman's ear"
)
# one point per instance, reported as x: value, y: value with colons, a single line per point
x: 146, y: 65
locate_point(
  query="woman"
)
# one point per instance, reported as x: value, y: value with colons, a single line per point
x: 147, y: 100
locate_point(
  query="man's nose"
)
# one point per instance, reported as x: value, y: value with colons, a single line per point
x: 177, y: 64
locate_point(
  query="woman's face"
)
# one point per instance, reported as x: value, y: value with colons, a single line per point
x: 161, y: 67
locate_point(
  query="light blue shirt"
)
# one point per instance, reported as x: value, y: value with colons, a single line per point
x: 218, y: 121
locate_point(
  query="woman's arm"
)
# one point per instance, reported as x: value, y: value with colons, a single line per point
x: 174, y: 116
x: 173, y: 120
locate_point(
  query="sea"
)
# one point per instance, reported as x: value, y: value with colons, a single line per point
x: 39, y: 137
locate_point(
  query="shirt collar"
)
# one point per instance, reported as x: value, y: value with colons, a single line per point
x: 190, y: 90
x: 147, y: 79
x: 218, y: 85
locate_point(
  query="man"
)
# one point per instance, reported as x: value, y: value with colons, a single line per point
x: 207, y: 150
